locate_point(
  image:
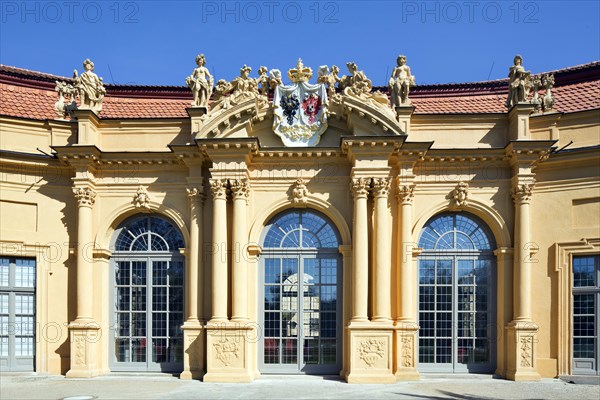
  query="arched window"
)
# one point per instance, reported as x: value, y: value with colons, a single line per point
x: 147, y: 287
x: 301, y: 230
x: 456, y: 295
x: 300, y: 283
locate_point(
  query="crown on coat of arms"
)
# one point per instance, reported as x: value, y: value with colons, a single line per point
x: 300, y: 73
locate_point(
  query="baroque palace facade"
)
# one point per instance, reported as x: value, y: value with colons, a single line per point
x: 232, y: 229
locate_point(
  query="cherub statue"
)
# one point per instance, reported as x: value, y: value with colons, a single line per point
x: 263, y: 80
x: 66, y: 104
x: 359, y: 86
x: 536, y: 84
x: 239, y: 90
x: 330, y: 79
x: 519, y: 83
x: 400, y: 83
x: 275, y: 78
x: 90, y: 86
x: 548, y: 82
x: 357, y: 83
x: 200, y: 83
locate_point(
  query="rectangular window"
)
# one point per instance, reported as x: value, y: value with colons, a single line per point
x: 17, y: 313
x: 586, y: 304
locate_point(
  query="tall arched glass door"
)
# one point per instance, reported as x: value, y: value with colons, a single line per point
x: 147, y: 296
x: 456, y: 295
x: 301, y: 290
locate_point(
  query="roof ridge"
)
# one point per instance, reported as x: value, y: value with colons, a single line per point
x: 43, y: 76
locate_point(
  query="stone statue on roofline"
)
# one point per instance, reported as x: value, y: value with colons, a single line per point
x: 263, y: 80
x: 519, y: 83
x: 239, y: 90
x: 358, y: 86
x: 400, y: 83
x: 329, y: 78
x: 200, y: 83
x: 66, y: 103
x: 90, y: 86
x: 275, y: 78
x: 548, y: 82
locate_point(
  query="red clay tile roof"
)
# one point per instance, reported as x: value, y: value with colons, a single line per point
x: 30, y: 94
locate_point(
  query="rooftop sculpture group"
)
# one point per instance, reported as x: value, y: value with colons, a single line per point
x: 520, y: 84
x: 88, y: 87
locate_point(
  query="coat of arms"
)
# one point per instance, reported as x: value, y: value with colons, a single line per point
x: 300, y: 109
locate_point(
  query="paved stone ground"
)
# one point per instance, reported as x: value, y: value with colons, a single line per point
x: 156, y: 386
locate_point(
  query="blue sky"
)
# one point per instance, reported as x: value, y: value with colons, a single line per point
x: 155, y: 42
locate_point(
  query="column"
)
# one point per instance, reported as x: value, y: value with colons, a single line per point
x: 521, y: 332
x: 383, y: 254
x: 219, y: 293
x: 406, y: 326
x: 370, y: 343
x: 360, y: 246
x: 407, y: 279
x: 228, y: 343
x: 193, y: 276
x: 240, y: 192
x: 193, y: 355
x: 86, y: 198
x: 84, y: 330
x: 522, y: 277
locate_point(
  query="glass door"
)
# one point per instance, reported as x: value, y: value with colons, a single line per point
x: 301, y: 308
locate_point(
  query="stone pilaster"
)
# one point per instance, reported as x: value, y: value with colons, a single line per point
x: 360, y: 258
x: 228, y: 343
x: 370, y: 343
x: 193, y: 364
x: 522, y: 331
x: 84, y: 332
x: 405, y: 326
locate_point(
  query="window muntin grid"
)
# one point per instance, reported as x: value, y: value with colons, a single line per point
x: 456, y: 232
x: 17, y: 312
x: 305, y: 229
x: 455, y: 300
x: 149, y: 295
x: 149, y: 234
x: 586, y: 300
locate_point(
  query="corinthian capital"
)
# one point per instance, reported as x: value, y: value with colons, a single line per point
x: 360, y: 187
x: 381, y: 186
x: 521, y: 193
x: 240, y: 188
x: 195, y: 194
x: 218, y: 188
x: 85, y: 196
x: 405, y: 193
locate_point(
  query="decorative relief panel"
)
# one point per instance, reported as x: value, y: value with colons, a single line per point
x: 227, y: 350
x: 407, y: 351
x: 371, y: 350
x: 526, y: 351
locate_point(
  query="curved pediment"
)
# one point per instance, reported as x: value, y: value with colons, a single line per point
x: 347, y: 115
